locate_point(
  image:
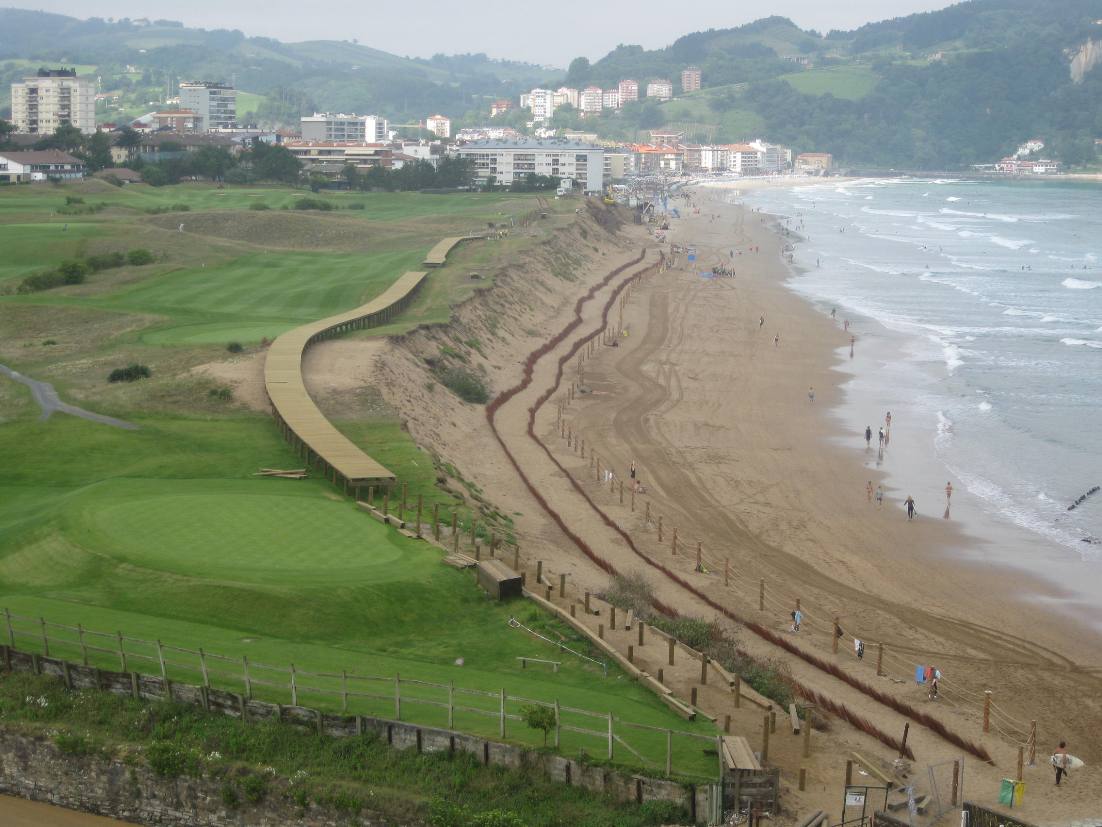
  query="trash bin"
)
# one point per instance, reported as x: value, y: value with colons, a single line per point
x: 1011, y: 792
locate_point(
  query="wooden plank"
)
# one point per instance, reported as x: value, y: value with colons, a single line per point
x: 872, y: 769
x: 795, y: 719
x: 742, y: 757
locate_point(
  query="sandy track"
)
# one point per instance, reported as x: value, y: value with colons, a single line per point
x: 50, y: 403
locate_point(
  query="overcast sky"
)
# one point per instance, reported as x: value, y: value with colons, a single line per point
x: 538, y: 32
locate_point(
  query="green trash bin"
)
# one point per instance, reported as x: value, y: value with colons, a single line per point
x: 1006, y: 792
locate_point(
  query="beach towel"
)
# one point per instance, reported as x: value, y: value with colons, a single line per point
x: 920, y: 674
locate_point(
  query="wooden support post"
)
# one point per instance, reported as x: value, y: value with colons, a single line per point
x: 161, y: 659
x: 562, y: 585
x: 610, y: 737
x: 573, y: 609
x: 1021, y: 762
x: 474, y: 529
x: 955, y: 790
x: 727, y: 724
x: 83, y: 648
x: 704, y: 670
x: 661, y: 676
x: 633, y: 499
x: 455, y: 540
x: 477, y: 551
x: 738, y: 691
x: 203, y: 667
x: 673, y: 644
x: 849, y: 773
x: 807, y: 735
x: 356, y: 493
x: 879, y: 659
x: 371, y: 495
x: 669, y: 752
x: 761, y: 595
x: 641, y: 625
x: 699, y: 556
x: 987, y: 710
x: 631, y: 653
x: 834, y: 636
x: 726, y: 572
x: 451, y: 704
x: 122, y: 651
x: 803, y: 778
x: 539, y: 571
x: 248, y: 680
x: 402, y: 510
x: 386, y: 502
x: 294, y: 686
x: 420, y: 505
x: 547, y: 595
x: 765, y: 739
x: 903, y: 743
x: 692, y: 696
x: 660, y: 528
x: 344, y: 690
x: 436, y: 522
x: 601, y: 631
x: 611, y: 618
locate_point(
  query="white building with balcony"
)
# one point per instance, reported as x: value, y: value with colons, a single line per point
x: 507, y: 161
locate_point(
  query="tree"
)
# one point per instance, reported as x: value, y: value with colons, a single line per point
x: 66, y: 137
x: 539, y: 717
x: 578, y: 72
x: 97, y: 152
x: 351, y: 175
x: 6, y: 129
x: 128, y: 138
x: 211, y: 162
x: 275, y: 163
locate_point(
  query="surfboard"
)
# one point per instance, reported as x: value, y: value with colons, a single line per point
x: 1073, y: 763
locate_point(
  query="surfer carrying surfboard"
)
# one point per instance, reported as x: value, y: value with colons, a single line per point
x: 1064, y: 762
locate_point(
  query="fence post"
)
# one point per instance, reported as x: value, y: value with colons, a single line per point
x: 45, y: 638
x: 765, y: 738
x: 402, y: 513
x: 558, y: 723
x: 501, y: 727
x: 83, y: 648
x: 539, y: 571
x: 1021, y: 762
x: 344, y: 690
x: 610, y: 738
x: 669, y: 753
x: 879, y: 659
x: 451, y: 704
x: 761, y: 595
x: 11, y: 631
x: 397, y: 697
x: 203, y: 667
x: 738, y: 691
x: 1032, y: 743
x: 660, y: 528
x: 672, y: 644
x: 420, y: 504
x: 987, y: 710
x: 248, y: 680
x: 562, y: 585
x: 956, y: 781
x: 641, y: 625
x: 726, y: 572
x: 294, y: 687
x: 436, y: 522
x: 161, y: 660
x: 122, y: 652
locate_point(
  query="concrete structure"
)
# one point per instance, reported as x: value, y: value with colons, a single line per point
x: 617, y: 166
x: 744, y: 159
x: 52, y: 98
x: 325, y: 126
x: 690, y: 79
x: 629, y: 91
x: 500, y: 107
x: 541, y: 102
x: 567, y: 95
x: 508, y: 161
x: 660, y: 89
x: 45, y: 165
x: 610, y: 99
x: 439, y: 126
x: 774, y: 157
x: 652, y: 159
x: 814, y: 162
x: 592, y: 100
x: 214, y: 104
x: 331, y: 157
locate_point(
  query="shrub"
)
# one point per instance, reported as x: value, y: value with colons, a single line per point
x: 255, y: 788
x: 49, y: 342
x: 229, y: 796
x: 106, y: 261
x: 539, y: 717
x: 465, y: 385
x: 41, y: 281
x: 139, y: 257
x: 222, y: 394
x: 169, y: 761
x: 131, y: 373
x: 259, y: 206
x: 74, y: 271
x: 357, y: 206
x: 312, y: 204
x: 496, y: 818
x: 73, y: 199
x: 235, y: 347
x: 72, y: 744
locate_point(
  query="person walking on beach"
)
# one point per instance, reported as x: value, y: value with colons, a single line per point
x: 1060, y: 761
x: 761, y: 322
x: 888, y: 420
x: 868, y: 490
x: 948, y: 492
x: 797, y: 619
x: 632, y: 469
x: 777, y: 340
x: 868, y: 437
x: 910, y: 503
x: 879, y: 496
x: 833, y: 312
x: 881, y: 433
x: 811, y: 394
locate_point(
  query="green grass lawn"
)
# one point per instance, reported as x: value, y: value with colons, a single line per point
x: 848, y: 82
x: 164, y: 533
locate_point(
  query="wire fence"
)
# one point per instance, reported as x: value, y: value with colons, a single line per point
x: 496, y: 714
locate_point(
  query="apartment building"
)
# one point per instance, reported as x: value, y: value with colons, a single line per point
x: 610, y: 99
x: 177, y: 120
x: 617, y: 165
x: 331, y: 157
x: 774, y: 157
x: 744, y: 159
x: 541, y: 102
x: 660, y: 90
x: 439, y: 126
x: 629, y: 91
x: 52, y: 98
x: 45, y: 165
x: 500, y: 107
x: 592, y: 100
x: 339, y: 127
x: 690, y: 79
x: 814, y: 163
x: 214, y: 104
x: 653, y: 159
x: 507, y: 161
x: 567, y: 95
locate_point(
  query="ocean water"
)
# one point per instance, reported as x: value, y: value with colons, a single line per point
x: 992, y: 293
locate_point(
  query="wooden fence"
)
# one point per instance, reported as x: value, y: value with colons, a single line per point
x: 599, y: 735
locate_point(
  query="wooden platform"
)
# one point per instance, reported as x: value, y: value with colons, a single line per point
x: 498, y: 580
x: 737, y: 754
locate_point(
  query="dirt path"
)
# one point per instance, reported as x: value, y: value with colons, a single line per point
x: 48, y: 400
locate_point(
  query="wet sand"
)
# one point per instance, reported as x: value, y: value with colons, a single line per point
x: 18, y: 812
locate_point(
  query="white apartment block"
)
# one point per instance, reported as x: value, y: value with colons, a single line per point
x: 629, y: 91
x: 592, y: 100
x: 438, y: 125
x: 325, y: 126
x: 774, y: 157
x: 53, y: 97
x: 541, y: 102
x: 214, y: 104
x: 507, y: 161
x: 567, y: 95
x: 660, y: 89
x: 610, y: 99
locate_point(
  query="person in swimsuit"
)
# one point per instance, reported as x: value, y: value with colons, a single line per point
x: 868, y: 436
x: 879, y: 496
x: 868, y: 490
x: 910, y: 503
x: 948, y: 492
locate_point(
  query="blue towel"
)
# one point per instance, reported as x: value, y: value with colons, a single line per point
x: 920, y: 674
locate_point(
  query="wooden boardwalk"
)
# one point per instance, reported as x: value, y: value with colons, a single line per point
x: 438, y: 255
x: 302, y: 423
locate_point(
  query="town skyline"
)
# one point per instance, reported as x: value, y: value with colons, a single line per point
x: 447, y: 29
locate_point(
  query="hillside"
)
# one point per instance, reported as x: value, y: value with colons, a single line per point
x: 939, y: 89
x: 142, y: 60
